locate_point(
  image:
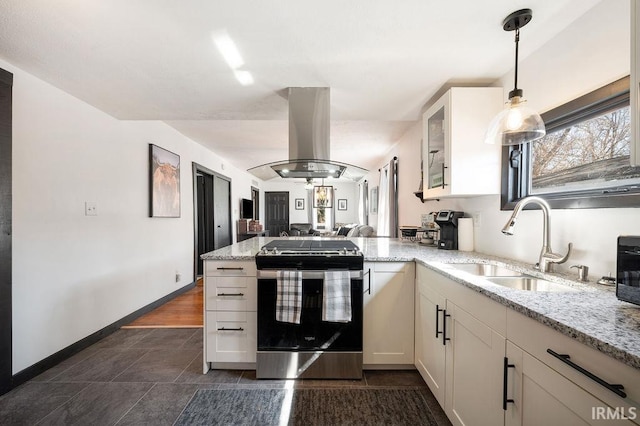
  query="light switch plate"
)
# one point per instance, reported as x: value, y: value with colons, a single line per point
x: 90, y: 208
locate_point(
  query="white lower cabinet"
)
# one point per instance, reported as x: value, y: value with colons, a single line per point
x: 567, y: 393
x: 388, y: 331
x: 474, y: 361
x: 498, y: 367
x: 457, y: 353
x: 230, y: 314
x: 231, y: 336
x: 430, y: 346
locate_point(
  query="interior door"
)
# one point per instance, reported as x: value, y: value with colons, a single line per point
x: 6, y: 373
x: 276, y: 212
x: 212, y: 212
x: 222, y: 212
x: 204, y: 221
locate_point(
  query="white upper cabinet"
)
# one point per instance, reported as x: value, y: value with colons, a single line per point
x: 456, y: 161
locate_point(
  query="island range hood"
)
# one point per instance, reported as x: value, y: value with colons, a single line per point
x: 309, y: 144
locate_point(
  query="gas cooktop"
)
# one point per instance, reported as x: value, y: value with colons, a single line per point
x: 310, y: 254
x: 310, y: 245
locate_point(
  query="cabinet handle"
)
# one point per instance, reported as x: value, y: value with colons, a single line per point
x: 438, y: 310
x: 231, y: 294
x: 224, y: 268
x: 444, y: 327
x: 368, y: 290
x: 505, y: 375
x: 443, y: 169
x: 231, y: 329
x: 617, y: 389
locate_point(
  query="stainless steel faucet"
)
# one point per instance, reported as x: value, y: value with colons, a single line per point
x: 547, y: 256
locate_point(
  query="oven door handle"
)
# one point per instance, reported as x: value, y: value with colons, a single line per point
x: 368, y: 290
x: 306, y: 275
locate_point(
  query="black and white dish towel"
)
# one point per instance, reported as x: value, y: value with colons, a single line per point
x: 288, y: 296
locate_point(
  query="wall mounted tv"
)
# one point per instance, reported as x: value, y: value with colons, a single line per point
x: 246, y: 209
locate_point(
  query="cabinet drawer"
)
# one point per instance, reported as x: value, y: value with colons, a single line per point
x: 238, y: 294
x: 564, y: 402
x: 389, y: 266
x: 227, y: 268
x: 536, y: 338
x: 231, y: 336
x: 480, y: 306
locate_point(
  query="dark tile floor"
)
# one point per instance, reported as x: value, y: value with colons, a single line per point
x: 147, y: 377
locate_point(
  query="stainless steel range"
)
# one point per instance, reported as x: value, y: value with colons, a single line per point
x: 309, y: 309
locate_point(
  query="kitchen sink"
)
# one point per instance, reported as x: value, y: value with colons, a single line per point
x: 530, y: 284
x: 485, y: 270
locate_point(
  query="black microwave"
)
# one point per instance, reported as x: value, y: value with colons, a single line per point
x: 628, y: 269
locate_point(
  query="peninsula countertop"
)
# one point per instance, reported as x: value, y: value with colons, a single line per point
x: 592, y: 314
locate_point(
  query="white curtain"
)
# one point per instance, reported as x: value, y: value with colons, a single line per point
x: 392, y: 197
x: 363, y: 189
x: 310, y: 209
x: 383, y: 203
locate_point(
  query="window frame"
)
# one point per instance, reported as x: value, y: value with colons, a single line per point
x: 514, y: 181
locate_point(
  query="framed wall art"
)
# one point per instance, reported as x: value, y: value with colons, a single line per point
x: 323, y: 197
x: 164, y: 182
x: 299, y: 203
x: 342, y: 204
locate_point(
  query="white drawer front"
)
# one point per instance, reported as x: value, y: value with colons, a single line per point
x: 227, y: 268
x: 536, y: 338
x: 389, y: 266
x: 231, y: 336
x: 233, y: 298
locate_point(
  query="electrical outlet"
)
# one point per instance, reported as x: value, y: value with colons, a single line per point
x: 477, y: 219
x: 90, y: 208
x: 178, y: 277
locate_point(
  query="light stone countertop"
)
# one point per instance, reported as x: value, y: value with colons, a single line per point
x: 592, y: 314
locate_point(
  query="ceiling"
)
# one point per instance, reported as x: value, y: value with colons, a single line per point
x: 383, y: 60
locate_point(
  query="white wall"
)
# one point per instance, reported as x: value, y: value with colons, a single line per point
x: 407, y: 149
x: 591, y: 53
x: 342, y: 190
x: 75, y: 274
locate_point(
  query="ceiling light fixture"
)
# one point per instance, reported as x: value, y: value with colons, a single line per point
x: 244, y: 77
x: 309, y: 184
x: 228, y: 49
x: 231, y: 55
x: 517, y: 123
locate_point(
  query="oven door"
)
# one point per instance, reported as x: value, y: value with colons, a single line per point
x: 312, y: 334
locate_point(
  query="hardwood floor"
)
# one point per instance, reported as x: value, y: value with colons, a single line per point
x: 185, y: 311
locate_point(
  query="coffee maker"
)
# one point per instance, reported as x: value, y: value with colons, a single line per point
x: 447, y: 220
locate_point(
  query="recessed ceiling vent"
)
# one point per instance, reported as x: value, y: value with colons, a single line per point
x: 309, y: 143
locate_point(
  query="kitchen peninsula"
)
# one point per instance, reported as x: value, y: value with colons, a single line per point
x: 542, y: 327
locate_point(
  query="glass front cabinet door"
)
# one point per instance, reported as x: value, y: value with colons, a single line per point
x: 435, y: 125
x: 456, y: 161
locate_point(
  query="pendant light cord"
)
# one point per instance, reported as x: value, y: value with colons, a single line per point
x: 515, y: 85
x: 516, y: 92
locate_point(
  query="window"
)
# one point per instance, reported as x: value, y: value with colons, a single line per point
x: 583, y: 161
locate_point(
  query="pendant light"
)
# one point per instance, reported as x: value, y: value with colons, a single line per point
x: 517, y: 123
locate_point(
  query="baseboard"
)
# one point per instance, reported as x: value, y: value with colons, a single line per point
x: 52, y: 360
x: 389, y: 367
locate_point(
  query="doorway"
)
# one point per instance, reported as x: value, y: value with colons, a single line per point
x: 212, y: 211
x: 6, y: 361
x: 276, y: 209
